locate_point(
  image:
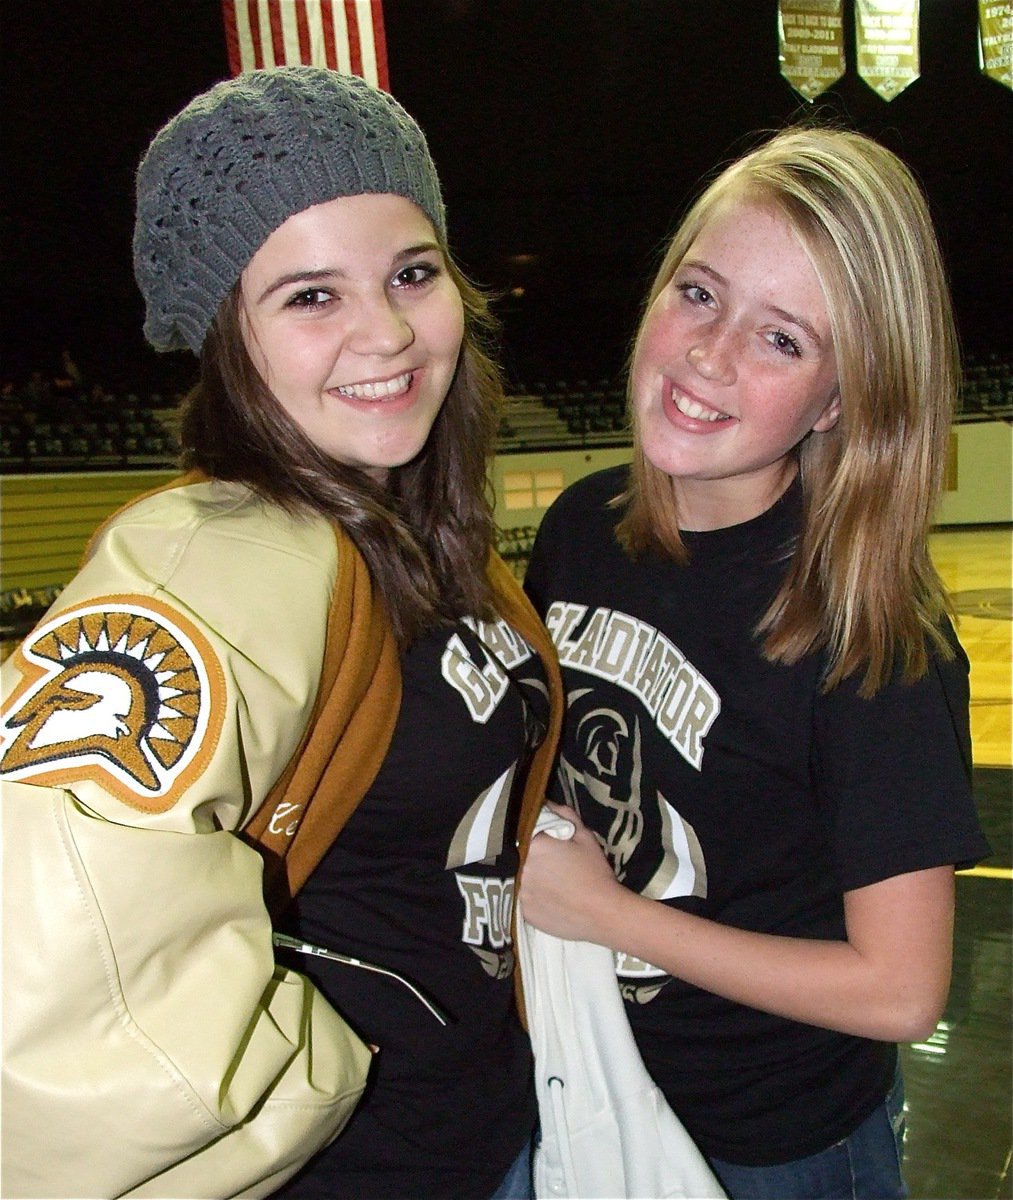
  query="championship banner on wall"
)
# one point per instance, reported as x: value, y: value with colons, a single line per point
x: 810, y: 44
x: 345, y: 35
x: 995, y: 40
x: 886, y: 37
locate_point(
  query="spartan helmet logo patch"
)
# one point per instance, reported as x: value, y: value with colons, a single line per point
x: 119, y: 692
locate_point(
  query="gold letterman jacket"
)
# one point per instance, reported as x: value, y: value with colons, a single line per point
x: 217, y: 668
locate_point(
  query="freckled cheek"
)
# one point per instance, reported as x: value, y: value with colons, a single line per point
x: 651, y: 352
x: 660, y: 338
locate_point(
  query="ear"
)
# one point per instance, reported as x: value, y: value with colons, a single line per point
x: 829, y: 417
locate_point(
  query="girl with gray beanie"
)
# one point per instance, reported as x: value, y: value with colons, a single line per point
x: 273, y: 758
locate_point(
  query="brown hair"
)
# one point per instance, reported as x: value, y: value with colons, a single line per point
x: 426, y: 536
x: 860, y: 582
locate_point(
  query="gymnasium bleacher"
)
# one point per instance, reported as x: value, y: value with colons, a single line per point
x: 101, y: 430
x: 562, y: 415
x: 93, y: 431
x: 987, y: 389
x: 122, y: 440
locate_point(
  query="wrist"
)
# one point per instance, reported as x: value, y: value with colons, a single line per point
x: 615, y: 916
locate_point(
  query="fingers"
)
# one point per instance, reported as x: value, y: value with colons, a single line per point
x: 566, y: 812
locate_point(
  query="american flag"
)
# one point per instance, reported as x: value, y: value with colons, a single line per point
x: 345, y: 35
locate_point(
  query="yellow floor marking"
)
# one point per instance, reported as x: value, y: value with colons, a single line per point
x: 980, y: 561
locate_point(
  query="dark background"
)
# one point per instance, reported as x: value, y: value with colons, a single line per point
x: 573, y: 131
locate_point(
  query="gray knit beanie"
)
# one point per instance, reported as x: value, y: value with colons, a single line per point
x: 241, y: 159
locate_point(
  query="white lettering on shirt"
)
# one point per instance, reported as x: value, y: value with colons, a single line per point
x: 483, y: 687
x: 488, y: 907
x: 638, y: 658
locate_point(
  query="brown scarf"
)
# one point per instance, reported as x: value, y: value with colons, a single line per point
x: 353, y: 721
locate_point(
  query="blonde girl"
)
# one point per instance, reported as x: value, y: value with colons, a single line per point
x: 766, y: 743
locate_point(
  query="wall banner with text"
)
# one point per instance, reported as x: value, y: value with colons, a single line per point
x: 886, y: 38
x: 810, y: 44
x: 995, y: 40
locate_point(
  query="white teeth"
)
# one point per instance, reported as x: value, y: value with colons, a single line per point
x: 377, y: 391
x: 690, y: 408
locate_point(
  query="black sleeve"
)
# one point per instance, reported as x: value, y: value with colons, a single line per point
x: 548, y: 554
x: 575, y: 528
x: 894, y: 774
x: 535, y: 576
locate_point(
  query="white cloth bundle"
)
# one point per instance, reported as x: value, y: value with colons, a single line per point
x: 607, y: 1130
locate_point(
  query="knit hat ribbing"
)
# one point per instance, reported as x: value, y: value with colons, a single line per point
x: 242, y: 158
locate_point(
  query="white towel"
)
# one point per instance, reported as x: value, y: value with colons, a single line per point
x: 607, y: 1130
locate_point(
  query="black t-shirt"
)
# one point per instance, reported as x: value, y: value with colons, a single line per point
x: 734, y: 788
x: 421, y: 881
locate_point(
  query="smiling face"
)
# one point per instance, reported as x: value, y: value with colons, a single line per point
x: 352, y: 320
x: 734, y: 366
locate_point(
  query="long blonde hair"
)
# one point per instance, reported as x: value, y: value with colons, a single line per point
x: 860, y: 583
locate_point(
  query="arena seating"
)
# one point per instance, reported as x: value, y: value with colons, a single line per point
x: 85, y: 433
x: 595, y: 413
x: 563, y: 415
x: 515, y: 547
x: 20, y: 611
x: 987, y: 389
x: 114, y: 432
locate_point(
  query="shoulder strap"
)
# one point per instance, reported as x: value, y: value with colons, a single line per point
x: 515, y: 607
x: 345, y: 741
x: 353, y: 721
x: 517, y: 610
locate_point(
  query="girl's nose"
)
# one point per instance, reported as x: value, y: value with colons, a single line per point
x: 712, y: 355
x: 381, y: 328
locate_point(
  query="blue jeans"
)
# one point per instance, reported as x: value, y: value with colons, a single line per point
x: 518, y: 1183
x: 865, y: 1166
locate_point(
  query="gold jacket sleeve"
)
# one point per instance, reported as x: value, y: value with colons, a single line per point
x: 151, y: 1046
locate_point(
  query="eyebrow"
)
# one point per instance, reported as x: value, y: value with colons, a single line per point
x: 800, y: 322
x: 789, y: 317
x: 320, y: 274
